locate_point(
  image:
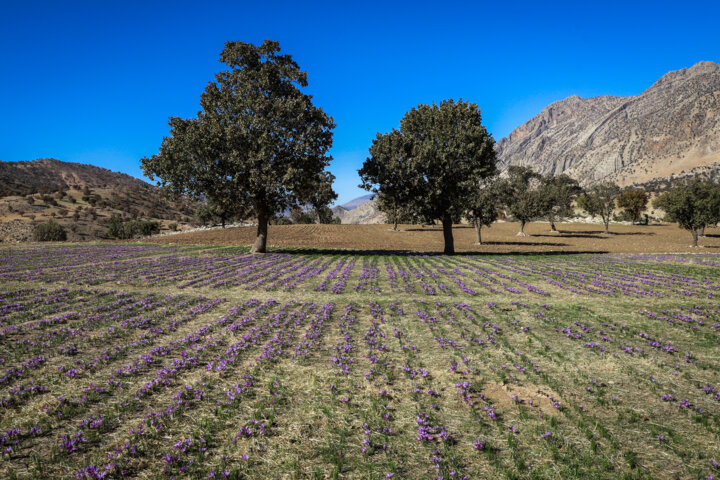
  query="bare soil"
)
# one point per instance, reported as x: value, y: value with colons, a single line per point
x: 500, y: 238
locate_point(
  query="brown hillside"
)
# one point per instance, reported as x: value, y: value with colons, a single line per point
x: 82, y: 198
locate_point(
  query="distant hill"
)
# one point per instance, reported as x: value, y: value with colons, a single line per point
x: 356, y: 202
x: 80, y: 197
x: 672, y: 129
x: 21, y: 178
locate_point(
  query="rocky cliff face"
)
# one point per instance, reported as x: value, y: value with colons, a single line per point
x: 672, y: 127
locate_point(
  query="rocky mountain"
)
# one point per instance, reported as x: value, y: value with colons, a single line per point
x: 356, y: 202
x: 80, y: 197
x: 668, y: 130
x: 365, y: 213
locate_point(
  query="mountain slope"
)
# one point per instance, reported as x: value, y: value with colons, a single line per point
x: 21, y: 178
x: 671, y: 127
x: 80, y: 197
x: 356, y: 202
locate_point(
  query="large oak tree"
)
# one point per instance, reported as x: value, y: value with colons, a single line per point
x: 433, y: 163
x: 258, y: 139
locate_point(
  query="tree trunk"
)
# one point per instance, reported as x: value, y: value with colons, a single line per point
x: 607, y: 224
x: 522, y: 233
x: 552, y: 225
x: 447, y: 233
x: 695, y: 236
x: 222, y: 220
x: 395, y: 221
x: 262, y: 228
x: 702, y: 231
x: 478, y: 227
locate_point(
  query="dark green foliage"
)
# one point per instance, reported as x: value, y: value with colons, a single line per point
x: 221, y: 210
x: 258, y: 141
x: 281, y: 220
x: 396, y: 212
x: 693, y: 205
x: 388, y: 172
x: 558, y: 193
x: 633, y: 201
x: 131, y: 229
x: 325, y: 215
x: 600, y: 200
x: 486, y: 204
x: 49, y: 232
x: 301, y: 216
x: 433, y: 164
x: 523, y: 196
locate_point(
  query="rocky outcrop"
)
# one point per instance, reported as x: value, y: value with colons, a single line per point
x: 671, y: 127
x: 364, y: 214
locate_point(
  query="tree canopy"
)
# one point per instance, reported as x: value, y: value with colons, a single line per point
x: 558, y: 193
x: 433, y: 163
x: 258, y: 141
x: 522, y: 197
x: 600, y: 200
x: 633, y: 201
x: 693, y: 205
x: 485, y: 205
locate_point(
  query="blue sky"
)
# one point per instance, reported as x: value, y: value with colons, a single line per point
x: 95, y: 82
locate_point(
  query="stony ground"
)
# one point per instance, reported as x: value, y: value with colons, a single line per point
x: 146, y: 361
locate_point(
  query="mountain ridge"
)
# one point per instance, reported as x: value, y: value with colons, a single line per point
x: 671, y: 127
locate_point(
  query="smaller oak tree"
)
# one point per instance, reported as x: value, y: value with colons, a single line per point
x: 600, y: 201
x: 633, y: 201
x: 693, y: 205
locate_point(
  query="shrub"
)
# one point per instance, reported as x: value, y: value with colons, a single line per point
x: 49, y: 232
x: 173, y: 227
x: 131, y: 229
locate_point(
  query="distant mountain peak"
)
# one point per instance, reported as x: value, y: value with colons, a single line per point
x: 671, y: 127
x: 356, y: 202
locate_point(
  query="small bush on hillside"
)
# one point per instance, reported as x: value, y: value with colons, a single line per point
x: 131, y: 229
x: 49, y: 232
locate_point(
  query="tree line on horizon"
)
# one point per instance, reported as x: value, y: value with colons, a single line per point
x: 259, y: 146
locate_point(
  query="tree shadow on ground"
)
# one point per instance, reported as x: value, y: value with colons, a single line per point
x: 414, y: 253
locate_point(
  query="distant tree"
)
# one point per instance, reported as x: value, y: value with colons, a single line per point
x: 523, y: 198
x: 281, y: 220
x: 395, y: 212
x: 600, y: 201
x: 557, y: 194
x: 258, y: 138
x: 325, y: 215
x: 485, y: 205
x: 387, y: 172
x: 49, y: 232
x: 301, y: 216
x: 633, y: 201
x: 693, y: 205
x: 443, y: 152
x: 323, y: 196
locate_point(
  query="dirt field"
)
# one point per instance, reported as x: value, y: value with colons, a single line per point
x: 500, y: 238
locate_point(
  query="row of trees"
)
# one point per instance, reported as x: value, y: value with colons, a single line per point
x: 259, y: 146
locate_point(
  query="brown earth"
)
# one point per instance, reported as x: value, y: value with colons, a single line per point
x: 500, y: 238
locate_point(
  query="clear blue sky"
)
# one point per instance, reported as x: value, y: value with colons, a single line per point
x: 95, y: 82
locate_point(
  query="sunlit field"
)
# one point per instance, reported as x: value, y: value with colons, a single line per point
x: 147, y: 361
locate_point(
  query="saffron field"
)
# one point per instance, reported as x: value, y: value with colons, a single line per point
x: 147, y: 361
